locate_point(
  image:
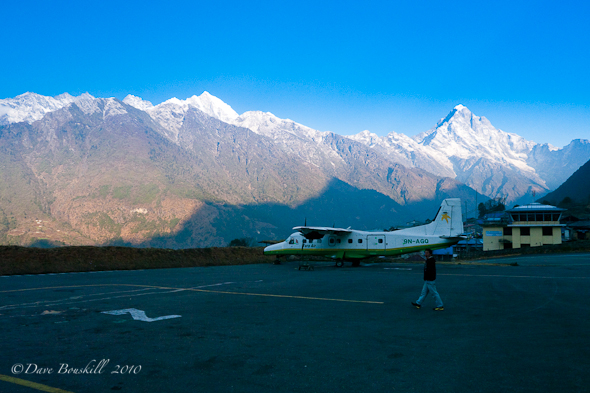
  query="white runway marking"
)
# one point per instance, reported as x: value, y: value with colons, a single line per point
x: 139, y: 315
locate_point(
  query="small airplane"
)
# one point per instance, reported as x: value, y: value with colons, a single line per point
x: 353, y: 245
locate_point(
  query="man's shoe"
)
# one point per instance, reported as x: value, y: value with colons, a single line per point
x: 416, y: 305
x: 438, y: 308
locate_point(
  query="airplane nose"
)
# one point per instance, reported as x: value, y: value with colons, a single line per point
x: 273, y: 247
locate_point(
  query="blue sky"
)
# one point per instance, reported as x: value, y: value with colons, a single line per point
x: 340, y: 66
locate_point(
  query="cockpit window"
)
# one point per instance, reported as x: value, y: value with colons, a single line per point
x: 291, y: 241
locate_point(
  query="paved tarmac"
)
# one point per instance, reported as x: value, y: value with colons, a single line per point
x: 273, y: 328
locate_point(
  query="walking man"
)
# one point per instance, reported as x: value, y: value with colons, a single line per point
x: 429, y: 282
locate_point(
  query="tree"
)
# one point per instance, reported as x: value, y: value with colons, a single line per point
x: 490, y: 207
x: 482, y: 209
x: 566, y: 201
x: 242, y: 242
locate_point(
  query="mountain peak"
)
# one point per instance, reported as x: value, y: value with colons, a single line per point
x: 208, y: 104
x: 138, y: 102
x: 29, y: 107
x: 459, y: 111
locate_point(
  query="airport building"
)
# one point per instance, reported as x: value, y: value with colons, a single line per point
x: 531, y: 225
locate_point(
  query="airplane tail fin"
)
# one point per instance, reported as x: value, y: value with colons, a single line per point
x: 449, y: 219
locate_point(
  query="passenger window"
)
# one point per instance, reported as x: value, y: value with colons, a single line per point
x: 380, y: 240
x: 360, y: 240
x: 350, y: 240
x: 338, y: 241
x: 304, y: 241
x: 332, y: 241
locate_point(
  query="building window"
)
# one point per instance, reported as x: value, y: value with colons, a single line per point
x: 547, y: 231
x: 525, y: 231
x: 507, y: 246
x: 507, y: 231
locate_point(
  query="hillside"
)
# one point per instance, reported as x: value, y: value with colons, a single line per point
x: 576, y: 188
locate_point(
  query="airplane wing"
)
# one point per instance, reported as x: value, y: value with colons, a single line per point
x: 319, y: 232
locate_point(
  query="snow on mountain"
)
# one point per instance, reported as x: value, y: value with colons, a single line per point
x: 462, y: 134
x: 267, y: 124
x: 468, y: 148
x: 138, y: 102
x: 170, y: 114
x: 555, y: 165
x: 292, y: 137
x: 206, y: 103
x: 30, y: 107
x: 213, y: 106
x: 408, y: 152
x: 113, y: 107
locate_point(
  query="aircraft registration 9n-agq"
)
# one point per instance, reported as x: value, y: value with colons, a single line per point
x: 349, y: 244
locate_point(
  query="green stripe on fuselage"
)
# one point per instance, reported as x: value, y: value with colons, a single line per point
x: 358, y: 254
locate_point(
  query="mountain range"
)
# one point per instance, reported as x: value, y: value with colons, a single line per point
x: 462, y: 146
x: 190, y: 173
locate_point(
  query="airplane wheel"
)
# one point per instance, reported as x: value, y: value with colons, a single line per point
x: 339, y: 263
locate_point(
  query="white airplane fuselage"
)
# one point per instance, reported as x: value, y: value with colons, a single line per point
x: 341, y: 243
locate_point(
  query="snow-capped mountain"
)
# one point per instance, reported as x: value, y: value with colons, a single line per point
x: 555, y: 165
x: 30, y: 107
x: 470, y: 149
x: 407, y: 151
x: 170, y: 114
x: 292, y: 137
x: 462, y: 145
